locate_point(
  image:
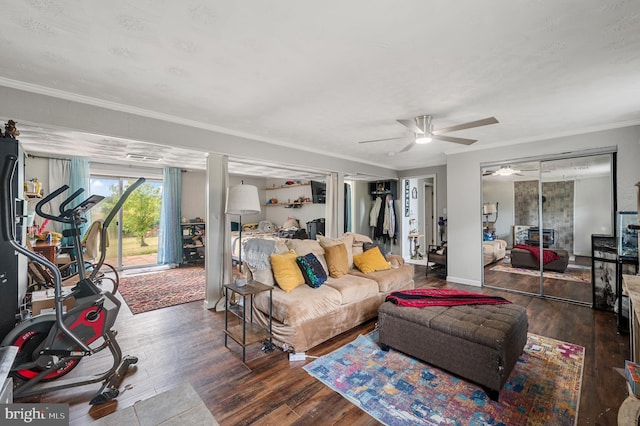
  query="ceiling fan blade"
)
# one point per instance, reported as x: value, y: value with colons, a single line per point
x: 462, y: 141
x: 408, y: 147
x: 411, y: 125
x: 380, y: 140
x: 478, y: 123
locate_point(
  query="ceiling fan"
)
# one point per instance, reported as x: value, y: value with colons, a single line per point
x: 422, y: 127
x: 505, y: 170
x: 508, y: 170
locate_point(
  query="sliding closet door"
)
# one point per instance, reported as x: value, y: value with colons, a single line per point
x: 576, y: 202
x: 509, y: 209
x: 546, y: 206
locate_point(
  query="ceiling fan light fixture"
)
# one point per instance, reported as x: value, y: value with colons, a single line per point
x: 422, y: 139
x: 506, y: 171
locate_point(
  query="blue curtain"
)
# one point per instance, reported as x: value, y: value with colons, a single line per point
x: 170, y: 237
x: 79, y: 177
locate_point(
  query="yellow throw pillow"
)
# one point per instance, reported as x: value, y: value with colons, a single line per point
x: 286, y: 270
x: 370, y: 261
x: 337, y: 260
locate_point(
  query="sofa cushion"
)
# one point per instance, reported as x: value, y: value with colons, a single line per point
x: 303, y: 247
x: 312, y: 271
x: 302, y: 304
x: 265, y: 276
x: 371, y: 260
x: 391, y: 279
x: 337, y: 260
x: 286, y: 270
x: 353, y: 288
x: 347, y: 240
x: 359, y: 238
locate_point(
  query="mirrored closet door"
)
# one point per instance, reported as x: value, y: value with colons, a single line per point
x: 545, y: 214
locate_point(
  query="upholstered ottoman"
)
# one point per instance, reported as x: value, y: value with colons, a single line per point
x: 521, y: 258
x: 480, y: 343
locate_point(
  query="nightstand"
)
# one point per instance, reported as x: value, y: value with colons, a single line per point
x: 247, y: 332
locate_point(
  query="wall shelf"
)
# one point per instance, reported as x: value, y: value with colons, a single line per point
x: 286, y: 186
x: 289, y: 205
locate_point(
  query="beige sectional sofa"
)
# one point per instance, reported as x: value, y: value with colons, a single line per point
x: 306, y: 316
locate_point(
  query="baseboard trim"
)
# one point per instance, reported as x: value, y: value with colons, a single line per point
x: 464, y: 281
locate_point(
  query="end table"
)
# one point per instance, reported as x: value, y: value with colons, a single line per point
x: 248, y: 332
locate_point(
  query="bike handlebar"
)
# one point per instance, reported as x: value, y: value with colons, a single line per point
x: 48, y: 199
x: 64, y: 212
x: 8, y: 168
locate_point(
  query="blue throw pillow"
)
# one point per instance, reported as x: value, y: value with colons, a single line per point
x: 312, y: 271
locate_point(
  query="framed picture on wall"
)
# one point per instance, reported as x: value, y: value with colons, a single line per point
x: 407, y: 207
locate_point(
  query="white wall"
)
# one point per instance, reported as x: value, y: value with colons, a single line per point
x: 279, y: 214
x: 591, y: 215
x: 194, y: 189
x: 500, y: 192
x: 464, y: 188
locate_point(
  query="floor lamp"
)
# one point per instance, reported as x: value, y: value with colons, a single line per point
x: 242, y: 200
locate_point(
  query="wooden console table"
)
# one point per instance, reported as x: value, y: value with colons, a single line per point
x: 629, y: 411
x: 48, y: 250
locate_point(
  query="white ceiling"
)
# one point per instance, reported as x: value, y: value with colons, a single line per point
x: 324, y: 75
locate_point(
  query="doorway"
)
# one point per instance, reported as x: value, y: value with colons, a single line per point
x: 133, y: 236
x: 429, y: 209
x: 419, y: 229
x: 550, y: 206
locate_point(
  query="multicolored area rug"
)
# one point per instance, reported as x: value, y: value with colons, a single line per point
x: 573, y: 273
x: 543, y: 389
x: 148, y: 292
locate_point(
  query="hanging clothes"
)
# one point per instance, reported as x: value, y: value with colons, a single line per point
x: 392, y: 217
x: 387, y: 226
x: 375, y: 212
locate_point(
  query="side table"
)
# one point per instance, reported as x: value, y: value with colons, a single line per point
x: 247, y: 333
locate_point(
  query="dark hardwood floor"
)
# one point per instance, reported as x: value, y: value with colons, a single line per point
x: 185, y: 343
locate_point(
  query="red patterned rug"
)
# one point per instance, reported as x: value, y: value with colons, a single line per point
x: 148, y: 292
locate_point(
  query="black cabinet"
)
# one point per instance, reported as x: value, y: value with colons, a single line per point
x: 604, y: 271
x: 13, y: 267
x: 382, y: 188
x: 192, y: 241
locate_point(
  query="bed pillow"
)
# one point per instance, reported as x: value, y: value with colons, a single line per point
x: 336, y: 257
x: 312, y: 271
x: 286, y: 271
x: 370, y: 261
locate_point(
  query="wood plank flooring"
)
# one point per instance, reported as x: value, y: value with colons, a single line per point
x: 185, y: 343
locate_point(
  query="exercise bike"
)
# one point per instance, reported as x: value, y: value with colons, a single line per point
x: 50, y: 345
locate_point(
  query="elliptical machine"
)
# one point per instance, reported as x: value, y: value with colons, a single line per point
x: 50, y: 345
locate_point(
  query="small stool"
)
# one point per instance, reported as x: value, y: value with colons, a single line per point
x: 480, y: 343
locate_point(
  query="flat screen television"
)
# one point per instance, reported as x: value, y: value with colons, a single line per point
x: 319, y: 192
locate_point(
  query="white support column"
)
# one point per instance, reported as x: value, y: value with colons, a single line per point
x: 334, y: 211
x: 217, y: 250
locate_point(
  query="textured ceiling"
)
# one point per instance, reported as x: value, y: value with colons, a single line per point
x: 326, y: 75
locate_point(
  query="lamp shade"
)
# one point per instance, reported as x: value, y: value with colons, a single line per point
x: 242, y: 200
x: 489, y: 209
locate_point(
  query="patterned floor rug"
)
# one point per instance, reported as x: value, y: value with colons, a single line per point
x: 543, y: 389
x: 578, y: 273
x: 148, y: 292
